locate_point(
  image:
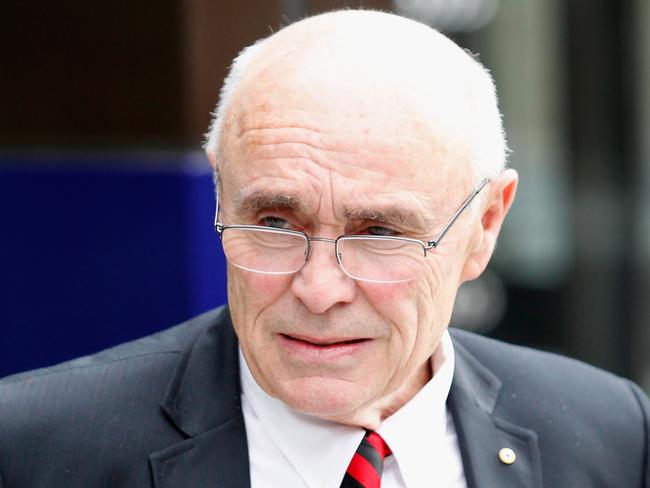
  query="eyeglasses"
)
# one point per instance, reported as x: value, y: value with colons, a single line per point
x: 375, y: 259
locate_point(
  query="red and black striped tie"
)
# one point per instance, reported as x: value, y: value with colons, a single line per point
x: 367, y: 463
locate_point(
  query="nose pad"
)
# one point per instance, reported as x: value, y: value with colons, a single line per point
x: 321, y: 283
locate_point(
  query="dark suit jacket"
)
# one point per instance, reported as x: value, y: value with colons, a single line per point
x: 165, y: 411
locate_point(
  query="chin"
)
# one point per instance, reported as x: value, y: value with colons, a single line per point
x: 325, y: 397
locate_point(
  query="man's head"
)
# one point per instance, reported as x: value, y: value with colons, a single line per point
x: 362, y: 123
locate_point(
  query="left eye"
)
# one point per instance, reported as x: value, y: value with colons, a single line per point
x: 377, y: 230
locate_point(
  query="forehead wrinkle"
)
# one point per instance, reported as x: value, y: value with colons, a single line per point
x: 324, y: 150
x: 269, y: 126
x: 290, y: 130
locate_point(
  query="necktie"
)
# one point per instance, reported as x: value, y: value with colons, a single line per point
x: 367, y: 463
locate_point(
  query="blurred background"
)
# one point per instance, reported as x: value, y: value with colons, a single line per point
x: 106, y: 200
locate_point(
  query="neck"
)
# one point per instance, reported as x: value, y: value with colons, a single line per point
x: 372, y: 415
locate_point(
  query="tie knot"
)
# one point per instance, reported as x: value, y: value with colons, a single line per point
x: 368, y: 463
x: 378, y: 443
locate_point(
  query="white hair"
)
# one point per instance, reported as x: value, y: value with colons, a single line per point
x: 478, y: 128
x: 236, y: 72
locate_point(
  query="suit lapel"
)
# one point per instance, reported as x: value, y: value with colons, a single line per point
x: 482, y: 434
x: 216, y: 458
x: 203, y: 402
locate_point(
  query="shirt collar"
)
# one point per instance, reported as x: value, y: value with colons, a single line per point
x: 306, y: 440
x: 423, y: 421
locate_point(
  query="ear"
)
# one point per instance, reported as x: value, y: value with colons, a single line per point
x: 501, y: 194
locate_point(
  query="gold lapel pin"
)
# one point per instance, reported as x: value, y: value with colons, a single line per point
x: 507, y: 455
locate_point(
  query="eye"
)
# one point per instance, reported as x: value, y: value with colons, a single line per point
x: 275, y: 222
x: 377, y: 230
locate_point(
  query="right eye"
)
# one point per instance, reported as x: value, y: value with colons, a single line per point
x: 275, y: 222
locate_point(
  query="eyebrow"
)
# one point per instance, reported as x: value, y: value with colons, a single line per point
x: 262, y: 200
x: 395, y: 216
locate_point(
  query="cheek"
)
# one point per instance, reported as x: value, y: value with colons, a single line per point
x: 418, y: 312
x: 405, y: 305
x: 397, y: 305
x: 266, y: 287
x: 250, y: 294
x: 254, y: 288
x: 436, y: 302
x: 390, y: 300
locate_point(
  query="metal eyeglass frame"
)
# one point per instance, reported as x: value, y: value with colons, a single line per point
x: 426, y: 246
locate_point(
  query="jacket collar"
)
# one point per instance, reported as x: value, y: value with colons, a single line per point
x: 203, y: 402
x: 473, y: 401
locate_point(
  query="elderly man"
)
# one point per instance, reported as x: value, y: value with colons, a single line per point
x: 359, y: 160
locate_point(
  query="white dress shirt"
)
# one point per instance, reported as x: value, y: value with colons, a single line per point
x: 288, y: 448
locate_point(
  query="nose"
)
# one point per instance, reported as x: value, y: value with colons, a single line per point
x: 321, y: 283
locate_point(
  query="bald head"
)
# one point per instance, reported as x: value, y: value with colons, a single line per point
x: 363, y: 64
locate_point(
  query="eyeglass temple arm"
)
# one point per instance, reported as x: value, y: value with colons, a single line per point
x: 217, y: 225
x: 434, y: 243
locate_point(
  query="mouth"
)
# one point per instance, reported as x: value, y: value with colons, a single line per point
x: 325, y: 342
x: 322, y: 349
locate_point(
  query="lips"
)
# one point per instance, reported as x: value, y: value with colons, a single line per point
x: 323, y: 342
x: 322, y: 349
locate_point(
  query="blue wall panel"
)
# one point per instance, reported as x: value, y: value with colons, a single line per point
x: 98, y: 250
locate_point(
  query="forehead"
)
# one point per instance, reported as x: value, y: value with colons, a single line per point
x: 367, y: 154
x: 340, y: 135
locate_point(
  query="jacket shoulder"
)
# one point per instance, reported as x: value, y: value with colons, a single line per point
x: 545, y: 375
x: 106, y: 405
x: 579, y: 413
x: 516, y: 365
x: 166, y: 342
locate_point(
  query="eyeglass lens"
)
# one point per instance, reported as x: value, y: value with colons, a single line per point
x: 369, y: 259
x: 380, y: 260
